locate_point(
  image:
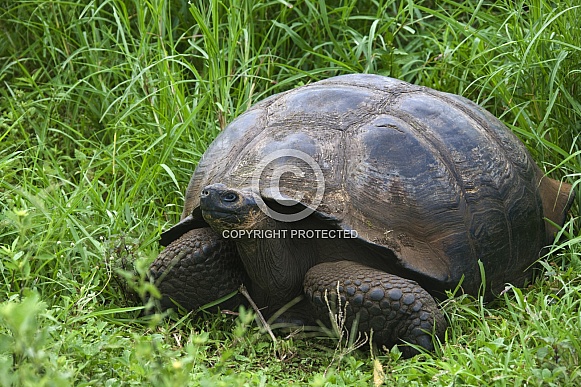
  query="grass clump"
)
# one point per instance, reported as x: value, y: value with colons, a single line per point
x: 106, y: 106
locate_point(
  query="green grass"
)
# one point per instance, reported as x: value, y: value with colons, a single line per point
x: 106, y: 107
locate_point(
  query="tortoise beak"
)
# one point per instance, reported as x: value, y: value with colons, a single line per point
x: 212, y: 198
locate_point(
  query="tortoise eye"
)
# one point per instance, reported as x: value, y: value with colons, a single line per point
x: 229, y: 197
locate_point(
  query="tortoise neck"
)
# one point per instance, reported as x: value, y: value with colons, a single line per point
x: 276, y: 261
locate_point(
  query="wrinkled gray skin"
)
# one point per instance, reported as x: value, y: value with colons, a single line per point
x: 393, y: 307
x: 432, y: 184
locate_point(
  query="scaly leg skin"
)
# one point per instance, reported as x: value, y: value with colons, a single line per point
x: 196, y: 269
x: 395, y: 308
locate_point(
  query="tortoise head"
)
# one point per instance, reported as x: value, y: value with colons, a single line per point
x: 225, y: 208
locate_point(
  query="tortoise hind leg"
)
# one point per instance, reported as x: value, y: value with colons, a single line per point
x: 196, y: 269
x: 557, y: 198
x: 396, y: 309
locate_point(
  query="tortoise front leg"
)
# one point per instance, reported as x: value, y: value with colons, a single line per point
x: 395, y: 308
x: 196, y: 269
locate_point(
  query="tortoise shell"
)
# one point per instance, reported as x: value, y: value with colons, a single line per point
x: 431, y: 176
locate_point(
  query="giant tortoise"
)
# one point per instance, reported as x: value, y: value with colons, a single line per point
x: 366, y: 190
